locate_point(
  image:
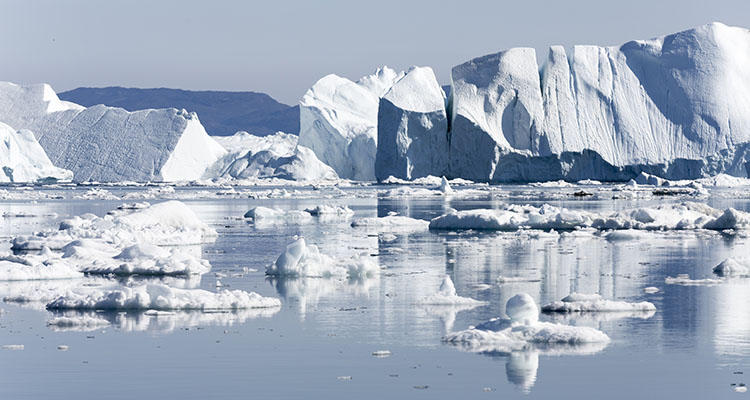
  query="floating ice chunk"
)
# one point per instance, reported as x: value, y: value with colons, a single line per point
x: 36, y: 267
x: 576, y: 302
x: 731, y: 267
x: 12, y: 347
x: 522, y: 330
x: 680, y: 216
x: 446, y: 295
x: 303, y: 260
x: 684, y: 280
x: 392, y: 223
x: 161, y: 297
x: 381, y: 353
x: 651, y: 290
x: 265, y: 214
x: 138, y: 259
x: 329, y: 211
x: 168, y: 223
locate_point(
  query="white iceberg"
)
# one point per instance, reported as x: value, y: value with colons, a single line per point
x: 107, y: 144
x: 412, y: 128
x: 22, y: 159
x: 338, y: 121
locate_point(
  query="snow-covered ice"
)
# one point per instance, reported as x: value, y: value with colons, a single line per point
x: 732, y: 267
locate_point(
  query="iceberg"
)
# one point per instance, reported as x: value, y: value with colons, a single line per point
x: 107, y: 144
x: 22, y: 159
x: 275, y: 156
x: 412, y: 128
x: 447, y: 296
x: 338, y: 121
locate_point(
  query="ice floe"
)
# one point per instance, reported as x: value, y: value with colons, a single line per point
x: 522, y: 330
x: 160, y: 297
x: 732, y: 268
x: 391, y: 223
x: 677, y: 216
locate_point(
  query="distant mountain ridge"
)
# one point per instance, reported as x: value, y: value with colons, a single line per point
x: 221, y: 113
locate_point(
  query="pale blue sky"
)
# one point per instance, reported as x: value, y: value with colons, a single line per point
x: 282, y: 47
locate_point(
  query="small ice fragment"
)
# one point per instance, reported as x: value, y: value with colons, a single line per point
x: 62, y: 347
x: 12, y: 347
x: 381, y: 353
x: 344, y: 378
x: 651, y: 290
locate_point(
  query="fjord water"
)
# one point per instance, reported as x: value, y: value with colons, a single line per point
x: 320, y: 343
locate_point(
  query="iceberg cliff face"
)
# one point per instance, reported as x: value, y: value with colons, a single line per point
x: 338, y: 121
x: 22, y: 159
x: 412, y: 128
x: 110, y: 144
x: 673, y: 106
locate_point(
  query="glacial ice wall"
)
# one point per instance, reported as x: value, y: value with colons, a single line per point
x: 674, y: 106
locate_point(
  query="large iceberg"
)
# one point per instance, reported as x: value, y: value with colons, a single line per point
x: 22, y: 159
x: 264, y: 157
x: 109, y: 144
x: 338, y: 121
x: 673, y: 106
x: 412, y: 128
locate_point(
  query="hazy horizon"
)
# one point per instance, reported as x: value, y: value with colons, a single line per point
x: 281, y: 49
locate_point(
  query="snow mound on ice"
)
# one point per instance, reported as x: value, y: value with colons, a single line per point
x: 447, y: 296
x: 161, y: 297
x: 338, y: 121
x: 22, y: 159
x: 576, y: 302
x: 107, y: 144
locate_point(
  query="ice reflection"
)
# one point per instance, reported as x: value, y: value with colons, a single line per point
x: 731, y: 322
x: 309, y: 293
x: 150, y: 321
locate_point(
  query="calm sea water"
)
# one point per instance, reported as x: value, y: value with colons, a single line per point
x: 320, y: 343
